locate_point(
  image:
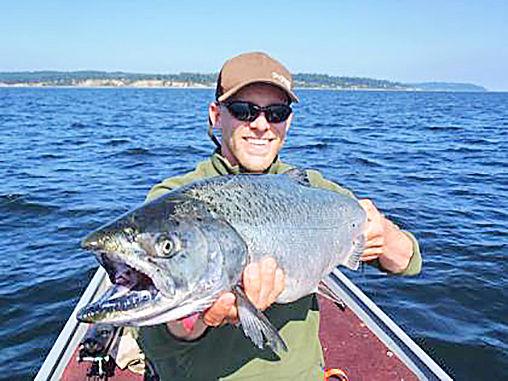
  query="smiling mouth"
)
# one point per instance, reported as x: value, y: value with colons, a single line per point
x: 257, y: 141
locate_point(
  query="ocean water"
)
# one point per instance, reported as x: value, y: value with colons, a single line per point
x: 436, y: 163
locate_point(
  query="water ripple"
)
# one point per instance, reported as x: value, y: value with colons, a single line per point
x: 435, y: 163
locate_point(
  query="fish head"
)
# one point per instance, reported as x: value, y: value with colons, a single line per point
x: 166, y: 259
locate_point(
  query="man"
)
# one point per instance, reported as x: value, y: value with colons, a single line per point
x: 252, y: 111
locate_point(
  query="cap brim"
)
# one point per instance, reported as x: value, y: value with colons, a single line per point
x: 237, y: 88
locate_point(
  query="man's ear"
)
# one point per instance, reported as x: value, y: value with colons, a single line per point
x: 214, y: 122
x: 214, y: 115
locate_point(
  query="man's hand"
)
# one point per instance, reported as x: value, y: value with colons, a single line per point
x: 384, y: 241
x: 263, y: 282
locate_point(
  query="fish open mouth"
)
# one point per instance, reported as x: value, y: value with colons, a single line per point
x: 133, y: 299
x: 121, y: 274
x: 131, y: 289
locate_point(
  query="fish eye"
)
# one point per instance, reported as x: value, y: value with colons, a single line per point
x: 167, y: 246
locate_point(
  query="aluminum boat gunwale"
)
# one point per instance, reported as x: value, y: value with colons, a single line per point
x: 384, y: 328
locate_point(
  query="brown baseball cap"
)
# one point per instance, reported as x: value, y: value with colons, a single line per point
x: 249, y: 68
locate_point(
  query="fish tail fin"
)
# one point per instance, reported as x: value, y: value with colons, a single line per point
x: 353, y: 262
x: 256, y: 326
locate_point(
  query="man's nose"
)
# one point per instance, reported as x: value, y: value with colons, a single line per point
x: 261, y: 123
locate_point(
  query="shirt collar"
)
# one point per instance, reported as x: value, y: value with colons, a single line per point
x: 224, y: 167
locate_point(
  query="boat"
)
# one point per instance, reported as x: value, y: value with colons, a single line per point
x: 360, y: 342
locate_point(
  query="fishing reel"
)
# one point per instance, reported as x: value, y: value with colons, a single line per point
x: 96, y: 348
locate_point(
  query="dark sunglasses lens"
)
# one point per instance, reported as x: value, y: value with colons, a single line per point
x: 277, y: 113
x: 241, y: 111
x: 248, y: 112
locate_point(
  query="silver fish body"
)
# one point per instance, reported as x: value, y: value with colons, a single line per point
x: 309, y: 231
x: 193, y: 243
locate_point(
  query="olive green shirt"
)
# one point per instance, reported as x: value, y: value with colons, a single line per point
x: 225, y: 353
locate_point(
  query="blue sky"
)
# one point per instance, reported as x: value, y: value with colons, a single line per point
x: 460, y: 41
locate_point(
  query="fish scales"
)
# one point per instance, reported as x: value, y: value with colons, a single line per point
x: 306, y: 229
x: 173, y: 256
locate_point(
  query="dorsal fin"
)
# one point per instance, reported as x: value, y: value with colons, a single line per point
x: 299, y: 175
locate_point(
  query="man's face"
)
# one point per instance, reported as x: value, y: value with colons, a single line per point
x: 253, y: 145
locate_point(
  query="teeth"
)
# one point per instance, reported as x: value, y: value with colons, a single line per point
x: 258, y: 142
x: 118, y: 291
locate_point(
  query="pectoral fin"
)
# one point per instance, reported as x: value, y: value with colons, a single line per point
x: 256, y: 326
x: 325, y: 291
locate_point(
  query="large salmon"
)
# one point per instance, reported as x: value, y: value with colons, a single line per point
x: 172, y: 257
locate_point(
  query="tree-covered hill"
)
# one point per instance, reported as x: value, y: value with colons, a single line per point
x: 122, y: 79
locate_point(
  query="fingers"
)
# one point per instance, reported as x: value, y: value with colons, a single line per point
x: 371, y: 253
x: 267, y: 272
x: 374, y: 225
x: 376, y: 240
x: 278, y: 286
x: 367, y: 205
x: 223, y: 310
x: 252, y: 282
x: 263, y: 282
x: 374, y: 232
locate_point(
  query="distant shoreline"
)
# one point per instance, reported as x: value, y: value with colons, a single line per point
x: 32, y: 86
x: 202, y: 87
x: 182, y: 86
x: 102, y: 79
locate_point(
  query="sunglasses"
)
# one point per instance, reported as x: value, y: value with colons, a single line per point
x: 248, y: 112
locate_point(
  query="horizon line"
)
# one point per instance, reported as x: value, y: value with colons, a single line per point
x: 440, y: 81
